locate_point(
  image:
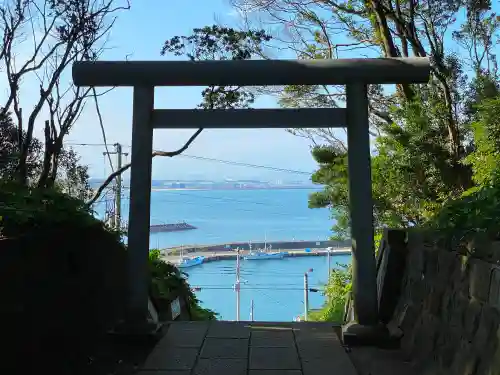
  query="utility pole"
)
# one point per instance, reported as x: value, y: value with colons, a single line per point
x: 306, y: 296
x: 118, y: 192
x: 329, y: 265
x: 237, y: 285
x: 251, y: 310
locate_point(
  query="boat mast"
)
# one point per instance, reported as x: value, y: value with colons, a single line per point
x: 237, y: 285
x: 306, y: 296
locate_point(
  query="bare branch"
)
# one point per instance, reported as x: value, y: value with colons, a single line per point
x: 59, y: 33
x: 125, y: 167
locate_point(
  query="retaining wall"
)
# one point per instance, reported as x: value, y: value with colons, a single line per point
x: 448, y: 309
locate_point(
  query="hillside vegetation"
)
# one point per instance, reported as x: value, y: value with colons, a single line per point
x: 63, y: 283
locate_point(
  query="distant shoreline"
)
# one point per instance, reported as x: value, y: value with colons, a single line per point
x: 230, y: 189
x: 155, y: 188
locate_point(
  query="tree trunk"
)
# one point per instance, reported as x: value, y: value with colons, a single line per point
x: 47, y: 156
x: 57, y: 150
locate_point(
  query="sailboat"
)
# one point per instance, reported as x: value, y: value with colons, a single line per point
x: 186, y: 262
x: 263, y: 254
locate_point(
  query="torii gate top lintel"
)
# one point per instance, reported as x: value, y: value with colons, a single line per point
x: 252, y: 72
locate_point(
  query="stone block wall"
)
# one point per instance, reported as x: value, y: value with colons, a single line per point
x: 449, y: 307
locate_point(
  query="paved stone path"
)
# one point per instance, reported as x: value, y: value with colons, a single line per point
x: 249, y: 348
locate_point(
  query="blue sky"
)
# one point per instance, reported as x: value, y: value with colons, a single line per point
x: 139, y: 34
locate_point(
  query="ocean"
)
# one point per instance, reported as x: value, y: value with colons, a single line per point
x: 275, y: 286
x: 223, y: 216
x: 235, y: 215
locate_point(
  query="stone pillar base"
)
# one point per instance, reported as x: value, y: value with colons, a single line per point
x: 355, y: 334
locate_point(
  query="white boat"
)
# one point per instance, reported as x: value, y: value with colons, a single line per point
x: 262, y: 255
x: 186, y: 262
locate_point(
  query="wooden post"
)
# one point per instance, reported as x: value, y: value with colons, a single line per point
x: 361, y: 205
x: 140, y: 206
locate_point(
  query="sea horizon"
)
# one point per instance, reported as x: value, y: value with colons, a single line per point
x: 234, y: 215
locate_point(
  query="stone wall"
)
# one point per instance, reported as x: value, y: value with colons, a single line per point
x: 449, y: 307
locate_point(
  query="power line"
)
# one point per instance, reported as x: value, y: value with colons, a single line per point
x: 223, y: 199
x: 221, y: 161
x: 213, y: 205
x: 241, y: 164
x: 88, y: 144
x: 257, y: 288
x: 166, y: 199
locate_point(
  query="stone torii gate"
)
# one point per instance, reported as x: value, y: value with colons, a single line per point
x: 356, y: 74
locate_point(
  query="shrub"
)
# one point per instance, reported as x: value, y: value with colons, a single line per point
x: 62, y: 280
x: 167, y: 281
x: 24, y: 209
x: 339, y: 285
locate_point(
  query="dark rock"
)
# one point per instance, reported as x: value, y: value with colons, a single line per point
x: 488, y: 325
x: 495, y: 252
x: 434, y: 300
x: 465, y: 360
x: 480, y: 277
x: 472, y: 315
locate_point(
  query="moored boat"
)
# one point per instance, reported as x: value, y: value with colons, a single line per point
x: 263, y: 255
x: 186, y: 262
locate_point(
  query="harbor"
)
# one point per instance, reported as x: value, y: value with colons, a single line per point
x: 233, y: 255
x: 263, y: 289
x: 298, y: 245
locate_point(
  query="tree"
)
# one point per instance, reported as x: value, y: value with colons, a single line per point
x: 9, y: 152
x: 485, y: 159
x: 422, y: 132
x: 60, y: 33
x: 72, y: 177
x: 208, y: 43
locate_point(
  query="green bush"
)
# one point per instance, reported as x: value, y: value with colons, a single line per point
x: 335, y: 292
x: 26, y: 210
x: 168, y: 280
x: 62, y: 279
x: 478, y: 208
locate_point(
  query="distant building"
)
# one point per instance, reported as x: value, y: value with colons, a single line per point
x: 178, y: 185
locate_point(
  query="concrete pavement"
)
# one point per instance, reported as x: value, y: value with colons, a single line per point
x: 249, y: 348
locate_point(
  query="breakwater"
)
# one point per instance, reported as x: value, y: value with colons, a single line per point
x: 275, y: 245
x: 232, y: 256
x: 174, y: 227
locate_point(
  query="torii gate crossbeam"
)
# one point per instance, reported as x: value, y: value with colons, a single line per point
x: 356, y: 74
